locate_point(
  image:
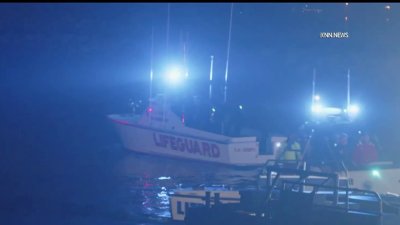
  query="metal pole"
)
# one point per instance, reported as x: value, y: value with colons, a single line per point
x: 348, y: 90
x: 184, y: 61
x: 313, y: 87
x: 211, y: 78
x: 346, y: 14
x: 336, y: 190
x: 151, y: 66
x: 186, y: 52
x: 168, y: 15
x: 228, y: 52
x: 208, y: 199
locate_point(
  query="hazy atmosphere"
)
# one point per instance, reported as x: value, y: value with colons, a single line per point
x: 64, y: 67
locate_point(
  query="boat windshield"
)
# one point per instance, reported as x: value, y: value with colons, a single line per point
x: 201, y: 114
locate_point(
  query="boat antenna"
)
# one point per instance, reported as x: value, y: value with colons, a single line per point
x: 185, y: 50
x: 211, y: 78
x: 346, y: 14
x: 313, y: 87
x: 167, y: 52
x: 348, y: 89
x: 151, y: 66
x: 168, y: 18
x: 228, y: 51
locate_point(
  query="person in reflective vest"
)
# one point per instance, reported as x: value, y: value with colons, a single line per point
x: 291, y: 150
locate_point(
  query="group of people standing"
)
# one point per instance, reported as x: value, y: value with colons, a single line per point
x: 336, y: 153
x: 363, y: 153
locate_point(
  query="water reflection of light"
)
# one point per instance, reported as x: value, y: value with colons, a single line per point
x: 156, y: 204
x: 150, y: 181
x: 155, y: 198
x: 163, y: 200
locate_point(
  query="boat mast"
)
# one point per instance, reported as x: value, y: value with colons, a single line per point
x: 228, y: 51
x: 186, y: 72
x: 348, y: 90
x: 346, y: 14
x: 211, y: 78
x: 167, y: 38
x: 313, y: 87
x: 167, y: 53
x: 185, y: 50
x: 151, y: 66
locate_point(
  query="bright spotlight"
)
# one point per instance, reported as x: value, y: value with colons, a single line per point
x: 317, y: 97
x: 353, y: 109
x: 174, y: 76
x: 278, y: 144
x: 240, y: 107
x: 317, y: 108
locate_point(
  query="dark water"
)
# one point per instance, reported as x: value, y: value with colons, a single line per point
x: 119, y: 187
x: 149, y: 180
x: 61, y: 162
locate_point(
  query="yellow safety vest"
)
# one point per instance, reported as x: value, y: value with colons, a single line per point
x: 292, y: 153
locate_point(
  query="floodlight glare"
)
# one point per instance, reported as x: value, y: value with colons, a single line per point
x: 317, y: 108
x: 174, y: 76
x: 353, y: 109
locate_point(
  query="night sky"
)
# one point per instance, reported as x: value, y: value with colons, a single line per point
x: 64, y: 67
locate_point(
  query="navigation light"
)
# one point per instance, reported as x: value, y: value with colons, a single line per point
x: 376, y: 173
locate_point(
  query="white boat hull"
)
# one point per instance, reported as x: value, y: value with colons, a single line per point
x: 188, y: 143
x: 382, y: 181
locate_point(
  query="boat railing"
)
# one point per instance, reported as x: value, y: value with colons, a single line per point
x: 298, y: 165
x: 348, y: 199
x: 274, y: 174
x: 295, y: 196
x: 325, y: 193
